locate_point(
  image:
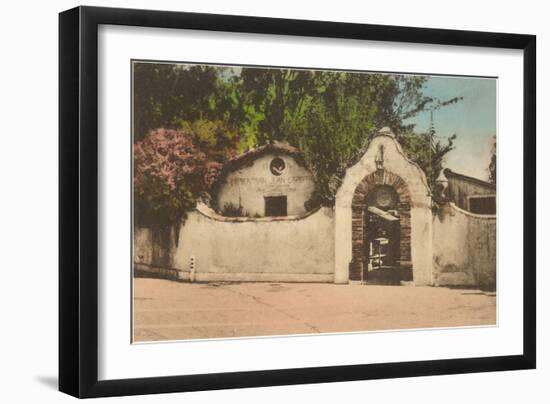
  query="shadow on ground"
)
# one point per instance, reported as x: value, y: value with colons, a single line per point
x: 48, y: 381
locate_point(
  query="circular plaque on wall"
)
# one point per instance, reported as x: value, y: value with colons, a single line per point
x: 383, y: 197
x: 277, y: 166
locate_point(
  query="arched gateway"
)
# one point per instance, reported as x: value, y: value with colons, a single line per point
x: 383, y: 216
x: 380, y: 226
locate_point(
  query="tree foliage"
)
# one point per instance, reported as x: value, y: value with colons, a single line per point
x: 331, y: 116
x: 212, y: 113
x: 165, y: 94
x: 428, y: 151
x: 170, y: 171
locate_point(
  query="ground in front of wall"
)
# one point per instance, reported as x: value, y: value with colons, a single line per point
x: 169, y: 310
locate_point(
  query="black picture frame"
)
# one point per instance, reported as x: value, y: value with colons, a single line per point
x: 78, y: 201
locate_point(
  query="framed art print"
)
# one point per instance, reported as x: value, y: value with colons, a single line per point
x: 250, y: 201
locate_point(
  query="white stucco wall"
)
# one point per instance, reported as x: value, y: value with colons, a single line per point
x: 143, y: 246
x: 241, y: 249
x: 451, y: 247
x: 396, y: 162
x: 248, y: 186
x: 464, y: 248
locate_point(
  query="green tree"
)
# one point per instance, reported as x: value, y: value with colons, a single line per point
x: 218, y: 139
x: 331, y: 116
x: 166, y: 94
x: 428, y: 151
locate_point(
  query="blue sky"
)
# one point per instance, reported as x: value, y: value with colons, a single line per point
x: 473, y: 120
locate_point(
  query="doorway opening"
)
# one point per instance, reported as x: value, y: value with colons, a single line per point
x: 275, y: 205
x: 382, y: 238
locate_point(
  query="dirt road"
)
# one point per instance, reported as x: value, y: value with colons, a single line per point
x: 168, y: 310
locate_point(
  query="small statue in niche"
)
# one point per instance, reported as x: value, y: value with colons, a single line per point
x: 379, y: 159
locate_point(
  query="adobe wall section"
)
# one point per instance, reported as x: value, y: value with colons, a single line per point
x: 395, y: 162
x: 464, y: 248
x: 153, y: 251
x: 285, y: 249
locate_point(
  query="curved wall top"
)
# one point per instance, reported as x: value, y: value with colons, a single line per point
x: 394, y: 161
x: 385, y: 149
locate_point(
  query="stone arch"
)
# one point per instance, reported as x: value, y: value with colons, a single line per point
x: 358, y: 204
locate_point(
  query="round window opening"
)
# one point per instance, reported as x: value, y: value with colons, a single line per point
x: 277, y: 166
x: 383, y: 197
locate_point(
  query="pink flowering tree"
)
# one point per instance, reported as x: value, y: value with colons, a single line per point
x: 170, y: 173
